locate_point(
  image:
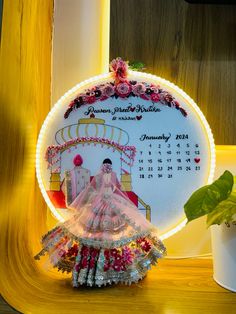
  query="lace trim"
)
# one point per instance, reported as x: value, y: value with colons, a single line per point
x: 100, y: 278
x: 94, y: 242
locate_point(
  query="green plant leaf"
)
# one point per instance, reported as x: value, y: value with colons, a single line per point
x: 204, y: 200
x: 225, y: 211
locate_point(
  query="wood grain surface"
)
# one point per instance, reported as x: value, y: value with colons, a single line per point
x: 193, y: 46
x: 176, y: 286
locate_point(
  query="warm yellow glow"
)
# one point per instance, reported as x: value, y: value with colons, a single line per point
x: 105, y: 35
x: 96, y: 80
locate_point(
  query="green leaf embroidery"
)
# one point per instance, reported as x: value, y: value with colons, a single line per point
x: 204, y: 200
x: 136, y: 66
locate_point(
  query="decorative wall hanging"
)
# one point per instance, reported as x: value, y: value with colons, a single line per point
x: 159, y: 141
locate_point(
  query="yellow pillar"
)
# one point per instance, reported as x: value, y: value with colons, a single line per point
x: 25, y: 79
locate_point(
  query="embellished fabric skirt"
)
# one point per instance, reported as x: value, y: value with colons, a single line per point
x: 106, y: 242
x: 94, y: 266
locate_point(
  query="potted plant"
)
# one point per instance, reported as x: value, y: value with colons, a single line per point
x: 218, y: 202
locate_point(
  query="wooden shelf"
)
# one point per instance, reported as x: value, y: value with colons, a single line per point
x: 176, y: 286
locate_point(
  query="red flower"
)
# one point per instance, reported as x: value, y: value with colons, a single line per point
x: 117, y: 266
x: 85, y: 251
x: 114, y: 252
x: 94, y: 253
x: 84, y: 262
x: 118, y: 257
x: 106, y: 267
x: 146, y: 247
x: 123, y: 267
x: 77, y: 267
x: 90, y: 99
x: 92, y: 263
x: 155, y: 97
x: 103, y: 98
x: 143, y: 96
x: 123, y: 89
x: 107, y: 254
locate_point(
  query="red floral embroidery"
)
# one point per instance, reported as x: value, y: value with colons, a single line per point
x: 155, y: 97
x: 123, y: 88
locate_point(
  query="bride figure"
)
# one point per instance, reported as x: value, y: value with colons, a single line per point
x: 107, y: 240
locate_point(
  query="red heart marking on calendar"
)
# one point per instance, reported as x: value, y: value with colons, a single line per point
x: 132, y: 109
x: 139, y: 117
x: 92, y: 115
x: 197, y: 160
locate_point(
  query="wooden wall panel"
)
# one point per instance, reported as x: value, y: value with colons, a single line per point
x: 194, y: 46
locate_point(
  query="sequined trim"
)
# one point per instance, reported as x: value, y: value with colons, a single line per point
x: 62, y: 232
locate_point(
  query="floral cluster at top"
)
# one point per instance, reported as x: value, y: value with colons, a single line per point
x: 123, y: 88
x: 51, y: 155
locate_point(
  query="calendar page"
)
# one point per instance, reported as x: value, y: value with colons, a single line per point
x: 158, y: 140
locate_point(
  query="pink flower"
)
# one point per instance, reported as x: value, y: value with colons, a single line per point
x: 155, y: 88
x: 155, y: 97
x: 138, y: 89
x: 127, y: 255
x: 123, y: 89
x: 108, y: 90
x: 119, y: 68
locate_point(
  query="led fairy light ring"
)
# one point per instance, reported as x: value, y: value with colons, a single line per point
x: 65, y: 99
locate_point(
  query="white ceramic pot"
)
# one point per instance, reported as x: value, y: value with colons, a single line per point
x: 224, y: 255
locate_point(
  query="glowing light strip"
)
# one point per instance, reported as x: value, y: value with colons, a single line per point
x: 104, y: 77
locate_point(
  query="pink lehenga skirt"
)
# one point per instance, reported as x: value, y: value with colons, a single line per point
x: 107, y: 241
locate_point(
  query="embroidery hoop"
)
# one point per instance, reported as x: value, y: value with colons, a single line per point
x: 62, y: 104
